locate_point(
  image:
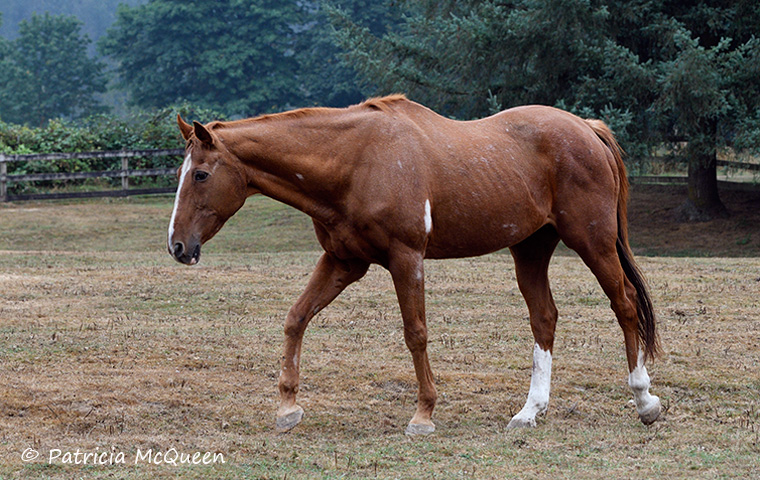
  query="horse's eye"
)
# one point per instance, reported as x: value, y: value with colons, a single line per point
x: 200, y: 176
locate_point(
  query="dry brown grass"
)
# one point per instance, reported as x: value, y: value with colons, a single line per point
x: 119, y: 348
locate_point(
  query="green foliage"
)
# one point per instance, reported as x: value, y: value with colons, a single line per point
x: 242, y: 57
x: 659, y: 72
x: 46, y: 73
x: 234, y: 55
x: 467, y: 58
x: 326, y: 78
x: 156, y: 129
x: 656, y: 71
x: 138, y: 131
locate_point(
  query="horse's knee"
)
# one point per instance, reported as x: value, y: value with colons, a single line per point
x: 416, y: 337
x: 294, y: 325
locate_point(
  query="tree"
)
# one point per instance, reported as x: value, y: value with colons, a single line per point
x: 45, y: 73
x: 657, y: 71
x: 707, y: 87
x: 468, y: 59
x: 234, y: 55
x: 243, y: 57
x: 327, y: 79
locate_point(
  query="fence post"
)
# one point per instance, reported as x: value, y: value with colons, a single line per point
x: 3, y: 179
x: 125, y: 174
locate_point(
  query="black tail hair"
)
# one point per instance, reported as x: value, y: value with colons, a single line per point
x: 647, y: 322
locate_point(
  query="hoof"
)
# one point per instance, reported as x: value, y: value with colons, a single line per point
x: 287, y: 422
x: 414, y: 429
x: 650, y: 415
x: 521, y: 423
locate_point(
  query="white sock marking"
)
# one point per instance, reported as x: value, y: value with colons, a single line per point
x: 639, y: 382
x: 185, y: 169
x: 540, y: 385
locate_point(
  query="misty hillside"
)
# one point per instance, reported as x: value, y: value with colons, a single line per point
x: 97, y: 15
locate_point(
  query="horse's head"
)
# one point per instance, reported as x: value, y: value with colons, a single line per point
x: 212, y: 187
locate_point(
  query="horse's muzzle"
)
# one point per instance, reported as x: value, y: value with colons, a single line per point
x: 188, y: 256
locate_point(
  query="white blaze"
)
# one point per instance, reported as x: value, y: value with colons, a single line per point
x: 185, y: 169
x: 428, y: 217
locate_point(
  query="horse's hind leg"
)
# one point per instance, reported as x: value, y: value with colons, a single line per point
x: 600, y: 255
x: 531, y: 266
x: 330, y: 277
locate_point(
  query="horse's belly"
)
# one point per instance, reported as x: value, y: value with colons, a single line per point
x: 473, y: 232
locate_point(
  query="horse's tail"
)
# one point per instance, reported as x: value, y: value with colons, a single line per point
x: 647, y: 322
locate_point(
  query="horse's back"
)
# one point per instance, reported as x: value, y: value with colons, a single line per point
x: 494, y: 182
x: 468, y: 188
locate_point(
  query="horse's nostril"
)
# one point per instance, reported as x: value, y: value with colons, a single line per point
x: 179, y: 249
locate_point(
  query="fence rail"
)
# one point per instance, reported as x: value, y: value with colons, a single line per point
x: 740, y: 165
x: 125, y: 173
x: 671, y: 180
x: 167, y: 152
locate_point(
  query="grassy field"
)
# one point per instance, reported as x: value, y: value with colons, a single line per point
x: 109, y: 347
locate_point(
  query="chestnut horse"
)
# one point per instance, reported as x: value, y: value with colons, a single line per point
x: 391, y: 182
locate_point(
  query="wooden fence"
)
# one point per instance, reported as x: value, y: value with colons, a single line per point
x: 125, y: 173
x: 747, y: 186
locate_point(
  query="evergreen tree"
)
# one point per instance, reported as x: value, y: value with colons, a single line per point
x: 45, y: 73
x: 244, y: 57
x: 705, y: 57
x: 235, y: 55
x: 656, y: 71
x: 327, y: 79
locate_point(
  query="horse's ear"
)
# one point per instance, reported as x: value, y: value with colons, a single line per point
x: 202, y: 134
x: 184, y: 127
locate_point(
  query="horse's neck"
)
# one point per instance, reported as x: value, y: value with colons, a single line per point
x: 298, y: 161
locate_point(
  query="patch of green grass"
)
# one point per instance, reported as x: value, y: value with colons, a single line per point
x: 139, y: 224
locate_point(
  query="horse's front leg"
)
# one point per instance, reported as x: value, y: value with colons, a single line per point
x: 330, y: 277
x: 406, y: 268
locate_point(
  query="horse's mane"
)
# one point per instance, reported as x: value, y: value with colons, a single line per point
x: 376, y: 103
x: 383, y: 103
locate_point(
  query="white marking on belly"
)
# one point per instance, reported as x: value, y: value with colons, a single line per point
x: 185, y: 169
x: 428, y: 217
x: 299, y: 176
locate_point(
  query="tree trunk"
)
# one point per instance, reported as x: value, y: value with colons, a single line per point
x: 703, y: 202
